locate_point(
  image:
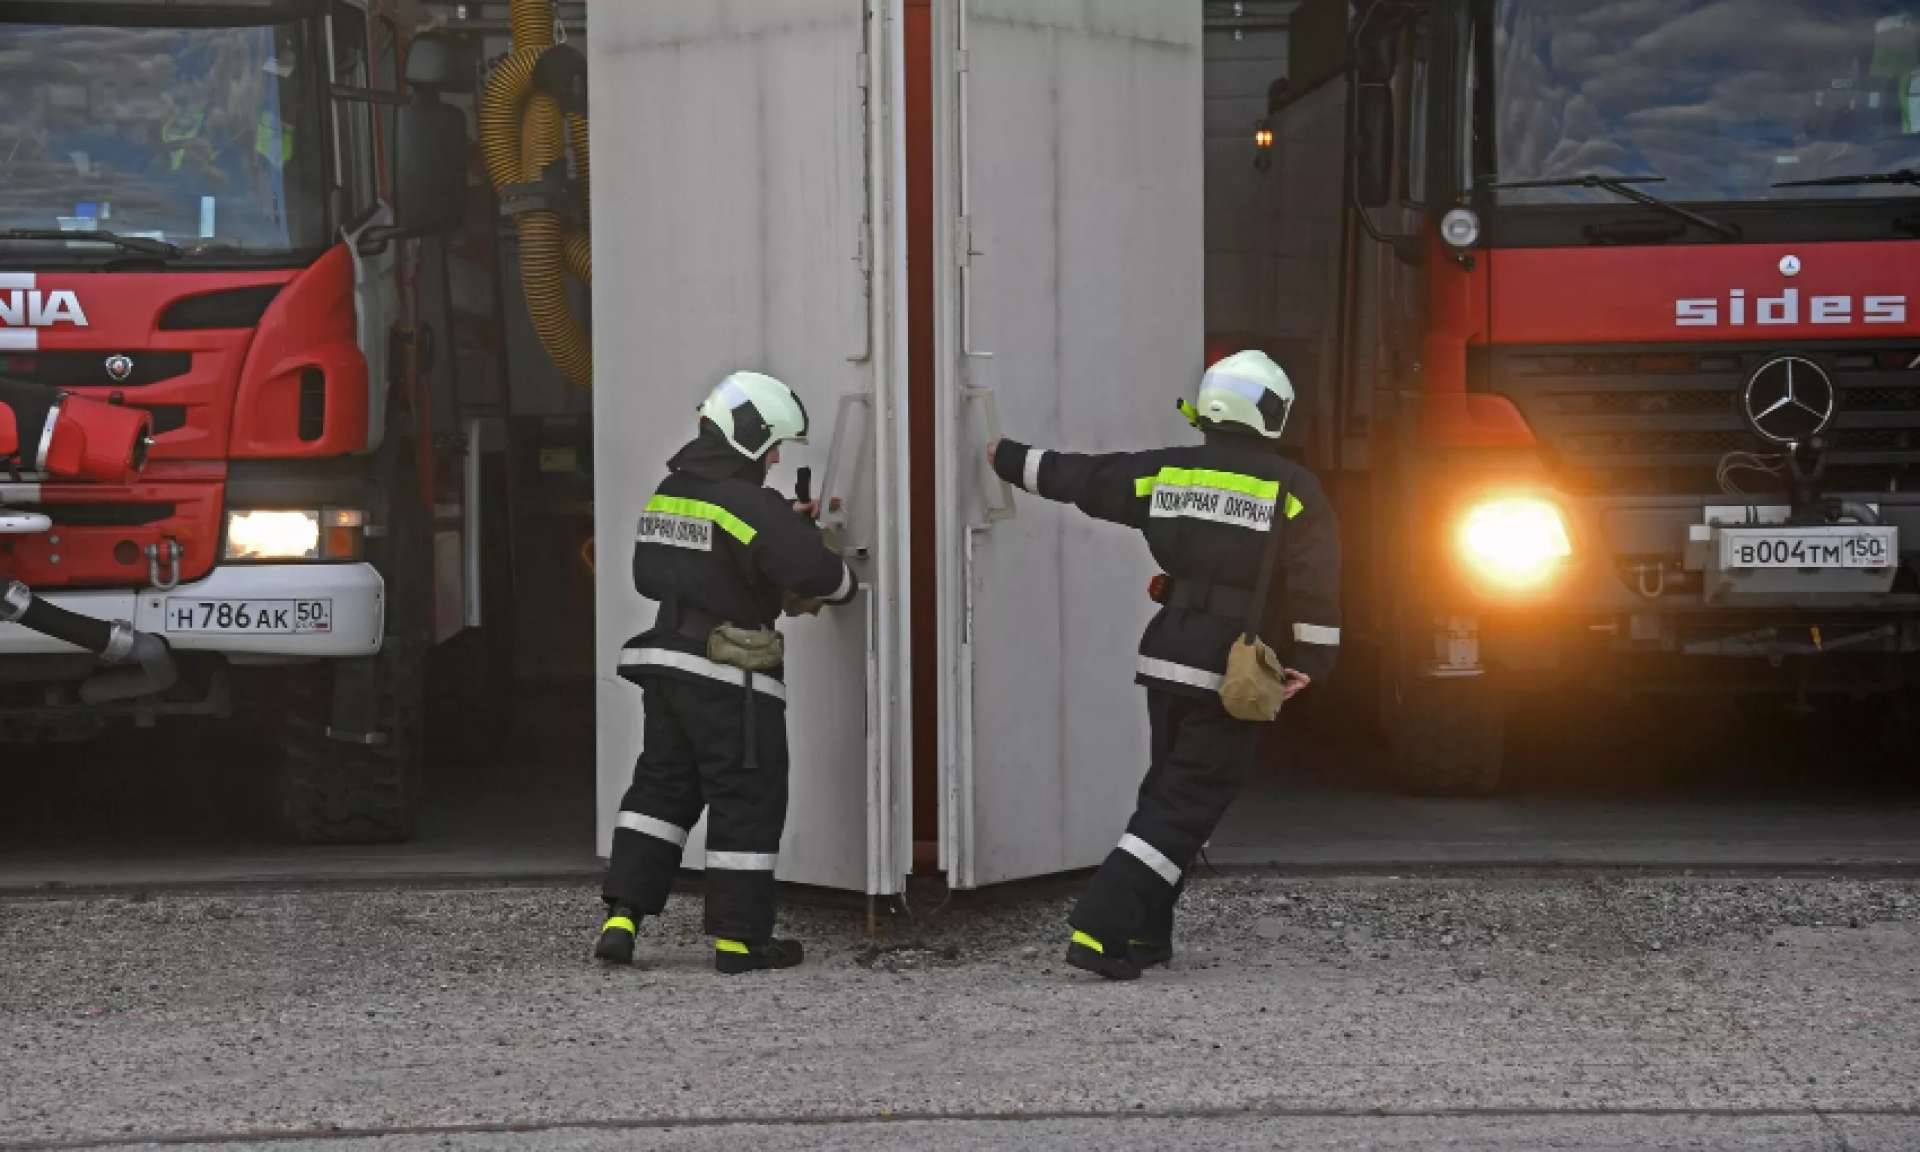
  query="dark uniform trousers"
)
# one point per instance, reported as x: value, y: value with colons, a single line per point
x: 695, y: 756
x: 1201, y: 758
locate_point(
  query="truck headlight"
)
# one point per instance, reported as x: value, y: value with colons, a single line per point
x: 303, y: 534
x: 1514, y: 541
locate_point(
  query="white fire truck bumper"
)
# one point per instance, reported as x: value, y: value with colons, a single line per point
x: 327, y: 610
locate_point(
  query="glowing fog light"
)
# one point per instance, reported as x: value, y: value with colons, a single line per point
x: 273, y: 535
x: 1516, y: 541
x: 1460, y: 228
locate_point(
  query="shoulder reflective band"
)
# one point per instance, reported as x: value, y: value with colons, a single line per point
x: 743, y: 861
x: 1030, y: 471
x: 1180, y: 674
x: 1150, y: 856
x: 1082, y: 938
x: 620, y: 922
x: 1316, y: 634
x: 730, y: 946
x: 701, y: 666
x: 1207, y: 478
x: 648, y: 826
x: 701, y: 510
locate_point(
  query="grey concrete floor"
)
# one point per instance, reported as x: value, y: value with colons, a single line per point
x: 1502, y: 1012
x: 1661, y: 784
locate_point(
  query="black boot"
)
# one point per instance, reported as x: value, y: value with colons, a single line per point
x: 1091, y: 955
x: 615, y: 945
x: 1150, y: 954
x: 733, y: 957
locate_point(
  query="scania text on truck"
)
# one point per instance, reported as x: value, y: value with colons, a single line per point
x: 198, y: 221
x: 1621, y: 380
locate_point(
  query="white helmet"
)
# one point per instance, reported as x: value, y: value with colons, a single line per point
x: 755, y: 412
x: 1246, y: 388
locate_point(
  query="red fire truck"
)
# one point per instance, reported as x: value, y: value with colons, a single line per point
x: 198, y: 208
x: 1612, y: 313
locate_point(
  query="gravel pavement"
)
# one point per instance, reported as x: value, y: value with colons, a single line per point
x: 1498, y: 1012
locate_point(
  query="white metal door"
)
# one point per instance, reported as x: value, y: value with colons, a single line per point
x: 1070, y: 146
x: 745, y: 157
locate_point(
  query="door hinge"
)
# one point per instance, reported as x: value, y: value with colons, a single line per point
x: 960, y: 60
x: 861, y: 71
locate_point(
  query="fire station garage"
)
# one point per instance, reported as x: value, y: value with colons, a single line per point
x: 1612, y: 391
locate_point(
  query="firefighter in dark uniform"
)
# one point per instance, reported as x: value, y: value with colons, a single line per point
x: 1207, y: 512
x: 723, y: 555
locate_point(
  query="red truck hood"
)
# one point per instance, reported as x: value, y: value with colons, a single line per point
x: 222, y: 383
x: 1696, y: 293
x: 49, y: 316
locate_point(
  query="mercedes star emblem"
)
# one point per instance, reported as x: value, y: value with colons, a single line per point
x: 1789, y: 265
x: 1789, y: 400
x: 119, y: 367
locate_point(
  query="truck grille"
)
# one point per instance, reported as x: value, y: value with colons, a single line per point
x: 1659, y: 418
x: 89, y: 369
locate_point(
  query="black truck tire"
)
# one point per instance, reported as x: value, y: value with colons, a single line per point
x: 1445, y: 736
x: 338, y: 792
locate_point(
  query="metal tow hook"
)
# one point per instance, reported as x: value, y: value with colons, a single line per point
x: 171, y: 559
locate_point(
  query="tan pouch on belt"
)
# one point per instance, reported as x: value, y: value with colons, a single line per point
x: 749, y: 649
x: 1256, y: 685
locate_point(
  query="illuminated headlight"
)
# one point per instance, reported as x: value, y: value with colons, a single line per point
x: 305, y: 534
x: 1514, y: 541
x: 1460, y: 228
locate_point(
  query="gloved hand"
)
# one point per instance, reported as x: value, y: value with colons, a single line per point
x: 800, y: 605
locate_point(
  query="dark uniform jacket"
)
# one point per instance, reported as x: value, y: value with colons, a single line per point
x: 1207, y: 511
x: 715, y: 545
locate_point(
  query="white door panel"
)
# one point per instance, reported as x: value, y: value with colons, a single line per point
x: 734, y: 228
x: 1070, y: 280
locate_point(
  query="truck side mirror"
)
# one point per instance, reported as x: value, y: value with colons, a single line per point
x: 430, y: 188
x: 1373, y: 175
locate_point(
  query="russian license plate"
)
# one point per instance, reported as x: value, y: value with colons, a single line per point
x: 253, y: 617
x: 1827, y: 546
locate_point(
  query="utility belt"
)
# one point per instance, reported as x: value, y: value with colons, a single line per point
x: 1205, y: 596
x: 748, y: 649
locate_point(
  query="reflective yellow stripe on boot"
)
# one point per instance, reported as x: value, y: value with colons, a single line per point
x: 729, y: 946
x: 1082, y: 938
x: 622, y: 923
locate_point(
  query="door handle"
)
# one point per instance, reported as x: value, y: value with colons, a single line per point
x: 1005, y: 510
x: 833, y: 511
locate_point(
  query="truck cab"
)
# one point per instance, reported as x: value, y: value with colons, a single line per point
x: 198, y: 220
x: 1625, y: 389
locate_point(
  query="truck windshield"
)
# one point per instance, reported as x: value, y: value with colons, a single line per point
x: 206, y: 137
x: 1724, y: 99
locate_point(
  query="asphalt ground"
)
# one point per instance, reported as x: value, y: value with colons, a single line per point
x: 1680, y: 927
x: 1502, y: 1011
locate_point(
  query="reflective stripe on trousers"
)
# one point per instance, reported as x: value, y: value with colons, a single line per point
x: 743, y: 861
x: 1150, y: 856
x: 701, y: 666
x: 649, y: 826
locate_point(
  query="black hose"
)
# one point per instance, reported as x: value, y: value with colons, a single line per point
x: 77, y: 630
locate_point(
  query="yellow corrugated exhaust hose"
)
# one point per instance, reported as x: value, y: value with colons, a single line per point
x: 523, y: 131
